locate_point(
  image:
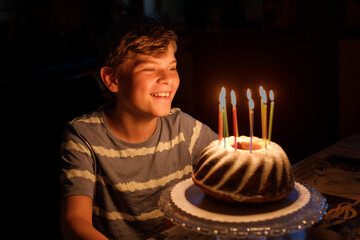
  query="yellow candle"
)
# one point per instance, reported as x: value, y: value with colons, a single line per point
x: 271, y: 96
x: 251, y: 117
x: 265, y: 124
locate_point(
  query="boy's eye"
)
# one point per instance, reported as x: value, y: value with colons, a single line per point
x: 173, y: 69
x: 149, y: 69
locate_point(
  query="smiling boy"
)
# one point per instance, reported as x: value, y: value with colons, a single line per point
x: 117, y: 161
x: 148, y: 86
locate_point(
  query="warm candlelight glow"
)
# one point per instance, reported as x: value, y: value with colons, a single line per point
x: 221, y: 114
x: 266, y: 125
x: 233, y: 98
x: 271, y: 95
x: 222, y: 106
x: 261, y: 91
x: 248, y: 93
x: 263, y: 95
x: 222, y: 97
x: 251, y: 104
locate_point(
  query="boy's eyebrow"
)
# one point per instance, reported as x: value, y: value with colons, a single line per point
x: 152, y: 61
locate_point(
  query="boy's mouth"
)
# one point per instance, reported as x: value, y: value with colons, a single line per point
x: 160, y: 94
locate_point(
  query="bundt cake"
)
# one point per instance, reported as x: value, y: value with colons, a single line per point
x: 262, y: 175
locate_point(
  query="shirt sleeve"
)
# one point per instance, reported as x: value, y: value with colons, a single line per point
x: 77, y: 175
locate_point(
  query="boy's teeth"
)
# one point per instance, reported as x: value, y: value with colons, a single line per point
x: 161, y: 94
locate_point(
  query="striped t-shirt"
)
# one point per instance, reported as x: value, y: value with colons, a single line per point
x: 125, y: 179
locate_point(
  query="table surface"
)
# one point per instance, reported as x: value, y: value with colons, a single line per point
x: 335, y: 172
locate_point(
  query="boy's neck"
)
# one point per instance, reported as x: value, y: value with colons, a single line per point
x: 129, y: 128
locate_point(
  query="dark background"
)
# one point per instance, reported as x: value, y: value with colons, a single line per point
x: 307, y: 52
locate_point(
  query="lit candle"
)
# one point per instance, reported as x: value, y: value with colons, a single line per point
x: 221, y: 114
x: 263, y: 114
x: 251, y: 117
x: 271, y: 96
x: 235, y: 125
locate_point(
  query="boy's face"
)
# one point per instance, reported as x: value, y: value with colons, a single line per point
x: 148, y: 84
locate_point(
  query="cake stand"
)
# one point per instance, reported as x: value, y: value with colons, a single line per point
x: 187, y: 205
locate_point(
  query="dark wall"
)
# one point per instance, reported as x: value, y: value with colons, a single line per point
x: 32, y: 126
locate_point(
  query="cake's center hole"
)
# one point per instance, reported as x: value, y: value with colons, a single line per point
x: 246, y: 146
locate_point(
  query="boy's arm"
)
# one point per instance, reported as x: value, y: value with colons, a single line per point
x: 76, y: 219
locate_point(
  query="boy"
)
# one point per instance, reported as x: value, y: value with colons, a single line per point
x: 117, y: 161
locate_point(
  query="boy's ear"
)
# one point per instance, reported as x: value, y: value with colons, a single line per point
x: 109, y: 79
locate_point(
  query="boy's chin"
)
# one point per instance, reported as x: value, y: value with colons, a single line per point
x: 163, y: 113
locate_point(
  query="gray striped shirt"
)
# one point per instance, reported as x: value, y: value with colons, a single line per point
x: 125, y: 179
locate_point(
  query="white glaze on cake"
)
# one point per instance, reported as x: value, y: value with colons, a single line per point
x: 268, y: 164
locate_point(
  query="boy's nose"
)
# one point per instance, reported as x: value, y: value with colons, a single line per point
x: 164, y: 78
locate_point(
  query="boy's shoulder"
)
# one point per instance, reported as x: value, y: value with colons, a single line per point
x: 176, y: 113
x: 190, y: 126
x: 89, y: 125
x: 89, y: 118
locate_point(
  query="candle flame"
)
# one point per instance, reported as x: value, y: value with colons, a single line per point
x: 261, y: 90
x: 222, y: 97
x: 271, y: 95
x: 248, y: 92
x: 251, y: 104
x: 263, y: 94
x: 264, y: 99
x: 233, y: 98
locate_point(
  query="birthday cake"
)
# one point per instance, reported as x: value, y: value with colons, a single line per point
x: 239, y: 175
